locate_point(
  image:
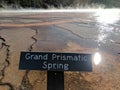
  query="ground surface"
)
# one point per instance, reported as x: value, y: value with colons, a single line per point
x: 58, y: 32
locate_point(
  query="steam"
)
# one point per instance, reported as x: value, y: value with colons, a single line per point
x: 5, y: 6
x: 79, y: 6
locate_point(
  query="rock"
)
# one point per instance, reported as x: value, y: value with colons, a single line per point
x: 3, y: 62
x: 4, y: 87
x: 18, y: 40
x: 38, y: 79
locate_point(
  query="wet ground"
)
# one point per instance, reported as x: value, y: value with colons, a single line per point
x: 87, y: 32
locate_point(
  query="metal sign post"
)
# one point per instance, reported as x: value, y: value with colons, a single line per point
x: 55, y: 80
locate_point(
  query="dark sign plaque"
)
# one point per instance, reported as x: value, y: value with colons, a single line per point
x: 52, y: 61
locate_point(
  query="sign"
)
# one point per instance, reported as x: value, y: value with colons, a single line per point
x: 52, y: 61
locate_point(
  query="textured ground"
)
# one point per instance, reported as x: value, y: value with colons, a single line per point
x: 56, y: 32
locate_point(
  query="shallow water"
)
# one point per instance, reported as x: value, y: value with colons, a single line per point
x: 83, y: 32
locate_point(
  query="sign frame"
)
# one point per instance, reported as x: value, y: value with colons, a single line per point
x: 49, y: 62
